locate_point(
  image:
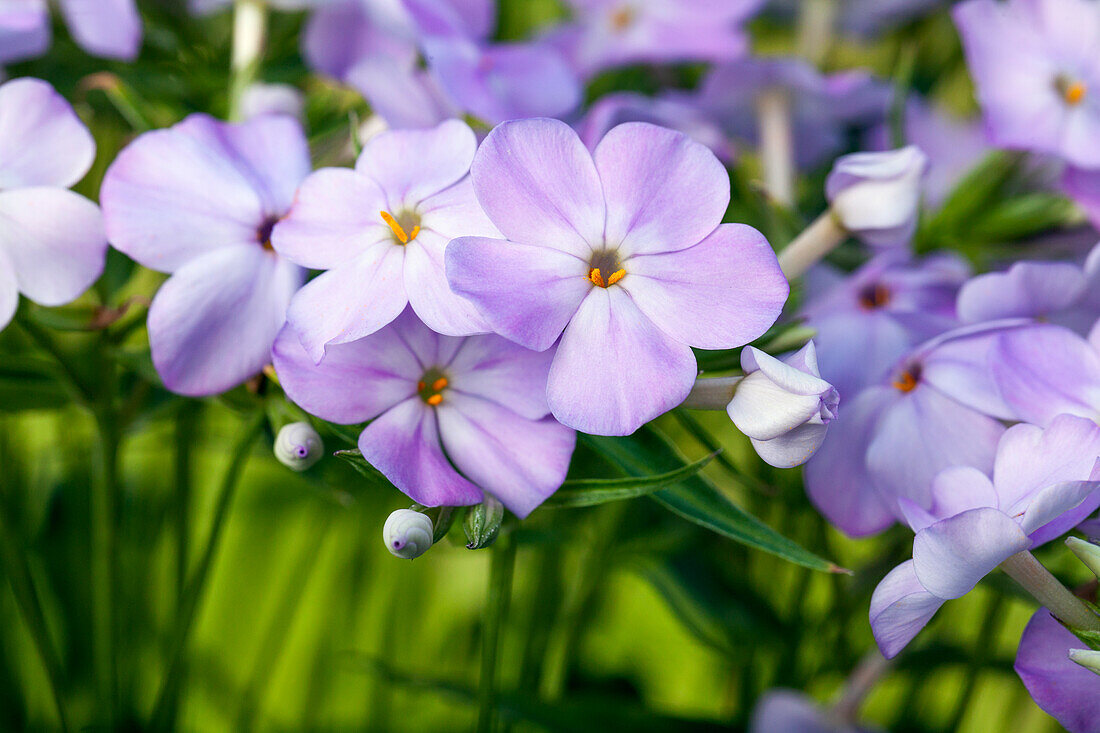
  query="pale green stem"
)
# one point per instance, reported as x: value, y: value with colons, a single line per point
x: 820, y: 238
x: 773, y: 114
x: 249, y: 37
x: 1037, y: 580
x: 502, y: 566
x: 712, y: 393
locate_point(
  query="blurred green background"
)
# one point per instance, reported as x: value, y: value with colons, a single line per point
x: 622, y: 616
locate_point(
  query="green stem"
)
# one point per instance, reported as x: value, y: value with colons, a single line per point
x: 193, y: 592
x: 502, y: 566
x: 46, y: 342
x: 249, y: 37
x: 1049, y: 591
x: 18, y: 571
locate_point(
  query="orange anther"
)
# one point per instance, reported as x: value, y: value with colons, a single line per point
x: 397, y: 230
x: 439, y: 385
x: 1075, y: 92
x: 435, y: 399
x: 595, y: 276
x: 906, y: 382
x: 414, y: 232
x: 420, y: 386
x: 615, y: 277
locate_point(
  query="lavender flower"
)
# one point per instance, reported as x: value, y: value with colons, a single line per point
x: 1036, y: 70
x: 1044, y: 481
x: 52, y: 243
x: 199, y: 201
x: 107, y: 28
x: 784, y: 407
x: 876, y: 196
x: 380, y: 231
x: 482, y: 399
x: 1068, y: 692
x: 622, y: 255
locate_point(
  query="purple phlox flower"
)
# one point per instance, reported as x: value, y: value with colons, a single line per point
x: 199, y: 200
x: 953, y: 146
x: 1046, y: 370
x: 1044, y: 481
x: 380, y: 230
x: 790, y: 711
x: 622, y: 255
x: 939, y: 407
x: 1083, y: 186
x: 608, y: 33
x: 867, y: 321
x: 106, y: 28
x: 1067, y: 691
x: 876, y: 196
x: 674, y: 110
x: 784, y: 407
x: 823, y: 108
x: 52, y: 243
x: 402, y: 93
x: 1036, y: 70
x: 481, y: 399
x: 1055, y: 292
x: 503, y: 81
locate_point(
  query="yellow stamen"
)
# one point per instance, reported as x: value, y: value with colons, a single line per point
x: 439, y: 385
x: 1075, y: 92
x: 397, y: 230
x: 615, y: 277
x: 595, y: 276
x: 905, y: 383
x: 435, y: 399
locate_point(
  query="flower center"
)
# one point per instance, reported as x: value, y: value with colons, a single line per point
x: 405, y: 226
x: 875, y: 296
x: 431, y: 386
x: 605, y: 261
x: 907, y: 381
x: 263, y: 232
x: 1072, y: 90
x: 622, y: 18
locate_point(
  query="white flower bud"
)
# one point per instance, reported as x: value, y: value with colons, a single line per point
x: 1087, y: 553
x: 784, y: 407
x: 876, y: 196
x: 408, y: 533
x: 1087, y: 658
x: 271, y: 99
x: 298, y: 446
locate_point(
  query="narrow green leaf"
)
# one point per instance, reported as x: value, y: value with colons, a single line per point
x: 593, y: 491
x: 366, y: 470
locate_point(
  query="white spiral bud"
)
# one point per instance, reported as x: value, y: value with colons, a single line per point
x: 1087, y: 658
x: 407, y: 533
x: 298, y: 446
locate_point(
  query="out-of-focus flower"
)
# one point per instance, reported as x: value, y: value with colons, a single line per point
x: 675, y: 110
x: 866, y: 321
x: 1044, y: 482
x: 298, y: 446
x: 1037, y: 73
x: 271, y: 99
x: 822, y: 108
x: 1065, y: 690
x: 607, y: 33
x: 380, y: 231
x: 199, y: 200
x: 953, y: 146
x: 789, y: 711
x: 621, y: 253
x: 52, y: 243
x: 876, y: 196
x: 107, y: 28
x: 865, y: 18
x: 482, y: 399
x: 784, y: 407
x: 408, y: 534
x: 402, y: 93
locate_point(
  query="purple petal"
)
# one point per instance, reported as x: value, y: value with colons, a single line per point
x: 1059, y: 508
x: 792, y: 712
x: 411, y: 165
x: 431, y: 296
x: 107, y: 28
x: 519, y: 461
x: 54, y: 240
x: 212, y: 324
x: 42, y: 141
x: 538, y: 184
x: 837, y: 480
x: 526, y: 293
x: 356, y: 382
x: 404, y: 445
x: 959, y: 364
x: 900, y: 608
x: 857, y: 349
x: 959, y: 489
x: 498, y: 370
x: 1030, y: 459
x: 721, y: 293
x: 350, y: 301
x: 335, y: 217
x: 339, y: 34
x: 403, y: 95
x: 1026, y: 290
x: 24, y: 30
x: 9, y: 291
x: 952, y: 555
x: 664, y: 191
x: 615, y: 370
x: 1059, y: 686
x: 1044, y: 371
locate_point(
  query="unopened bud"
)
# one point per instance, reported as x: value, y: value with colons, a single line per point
x: 1087, y: 553
x: 298, y: 446
x: 408, y: 534
x: 482, y: 523
x: 876, y: 196
x: 1087, y: 658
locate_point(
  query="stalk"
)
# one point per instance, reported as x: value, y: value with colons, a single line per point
x: 249, y: 38
x: 773, y: 114
x: 1037, y: 580
x: 820, y: 238
x: 501, y: 570
x: 711, y: 394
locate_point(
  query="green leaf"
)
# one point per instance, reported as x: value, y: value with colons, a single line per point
x: 29, y: 383
x: 593, y: 491
x: 698, y: 500
x: 366, y: 470
x: 1021, y: 217
x: 1092, y: 638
